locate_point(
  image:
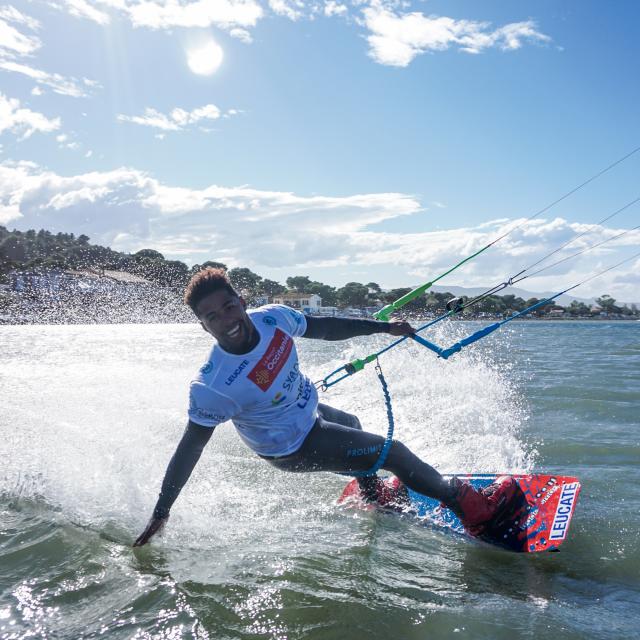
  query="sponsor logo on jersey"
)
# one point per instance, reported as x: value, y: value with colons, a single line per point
x: 206, y: 368
x: 305, y: 396
x: 278, y: 398
x: 275, y: 357
x: 292, y: 376
x: 199, y: 412
x: 236, y: 373
x: 270, y: 320
x: 563, y: 511
x: 209, y: 415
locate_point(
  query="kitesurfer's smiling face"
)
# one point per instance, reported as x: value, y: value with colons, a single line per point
x: 224, y: 316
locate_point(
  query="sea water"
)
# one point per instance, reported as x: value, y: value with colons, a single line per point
x: 90, y: 416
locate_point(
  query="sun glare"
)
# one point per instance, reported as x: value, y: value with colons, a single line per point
x: 205, y: 58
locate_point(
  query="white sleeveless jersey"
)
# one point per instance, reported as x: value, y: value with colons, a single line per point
x: 272, y: 405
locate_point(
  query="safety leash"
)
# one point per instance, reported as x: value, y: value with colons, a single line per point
x: 389, y: 439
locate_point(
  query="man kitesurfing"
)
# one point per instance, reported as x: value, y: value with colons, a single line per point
x: 252, y: 377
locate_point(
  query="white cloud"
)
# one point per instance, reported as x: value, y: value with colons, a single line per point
x: 292, y: 9
x: 62, y: 85
x: 273, y: 230
x: 22, y: 121
x: 9, y: 213
x: 13, y: 42
x: 16, y: 47
x: 424, y: 255
x: 11, y: 14
x: 178, y: 120
x: 232, y: 15
x: 241, y: 34
x: 395, y: 35
x: 333, y: 8
x: 511, y: 36
x: 152, y: 118
x: 64, y: 142
x: 272, y: 227
x: 202, y: 13
x: 84, y: 195
x: 397, y: 38
x: 208, y: 112
x: 83, y: 9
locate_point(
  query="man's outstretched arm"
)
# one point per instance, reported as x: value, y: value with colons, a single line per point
x: 187, y: 454
x: 343, y: 328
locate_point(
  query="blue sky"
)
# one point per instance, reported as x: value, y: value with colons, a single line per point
x: 372, y: 140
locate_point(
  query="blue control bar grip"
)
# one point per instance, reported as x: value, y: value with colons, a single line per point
x: 425, y: 343
x: 454, y: 348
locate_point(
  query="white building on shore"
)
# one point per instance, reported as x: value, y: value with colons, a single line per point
x: 305, y: 302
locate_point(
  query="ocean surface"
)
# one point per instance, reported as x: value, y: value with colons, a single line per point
x: 90, y: 416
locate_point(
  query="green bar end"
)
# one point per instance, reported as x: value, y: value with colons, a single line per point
x: 384, y: 313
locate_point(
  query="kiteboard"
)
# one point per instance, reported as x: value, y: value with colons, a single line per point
x: 536, y: 519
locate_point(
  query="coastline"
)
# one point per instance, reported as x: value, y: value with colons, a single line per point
x: 164, y: 305
x: 148, y: 319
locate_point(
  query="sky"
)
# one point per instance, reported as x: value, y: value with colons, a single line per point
x: 365, y: 140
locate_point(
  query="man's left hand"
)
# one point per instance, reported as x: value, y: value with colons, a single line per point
x: 401, y: 329
x: 154, y: 526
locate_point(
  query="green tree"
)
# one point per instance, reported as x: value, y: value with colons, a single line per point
x: 373, y: 287
x: 245, y: 280
x: 300, y: 284
x: 326, y: 292
x: 393, y: 294
x: 12, y: 248
x: 209, y: 263
x: 491, y: 304
x: 578, y: 309
x: 151, y: 254
x: 513, y: 303
x: 148, y: 268
x: 271, y: 287
x: 54, y: 261
x: 432, y: 302
x: 214, y: 265
x: 353, y: 294
x: 607, y: 303
x: 175, y: 273
x: 530, y: 302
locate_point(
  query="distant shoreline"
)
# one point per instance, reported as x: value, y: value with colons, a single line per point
x: 11, y: 322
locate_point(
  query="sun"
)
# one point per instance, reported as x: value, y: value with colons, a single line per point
x: 205, y: 58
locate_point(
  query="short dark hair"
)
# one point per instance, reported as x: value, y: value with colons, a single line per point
x: 205, y: 282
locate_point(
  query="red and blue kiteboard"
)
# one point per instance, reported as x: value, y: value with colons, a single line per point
x: 536, y: 519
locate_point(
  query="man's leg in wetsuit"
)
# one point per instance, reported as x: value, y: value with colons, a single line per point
x: 332, y: 446
x: 331, y: 414
x: 368, y: 484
